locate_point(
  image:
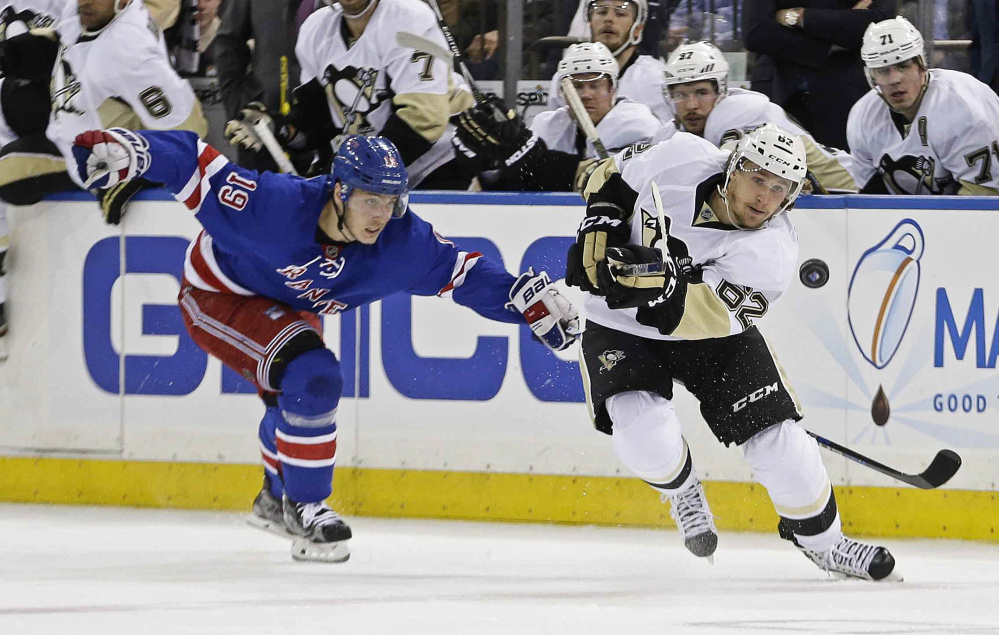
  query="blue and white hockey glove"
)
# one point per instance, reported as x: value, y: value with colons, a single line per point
x: 550, y: 315
x: 105, y: 158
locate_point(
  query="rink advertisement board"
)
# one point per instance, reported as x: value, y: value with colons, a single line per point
x: 894, y: 354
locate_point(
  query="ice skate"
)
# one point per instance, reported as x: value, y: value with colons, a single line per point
x: 689, y: 509
x: 319, y: 534
x: 850, y: 558
x: 268, y: 513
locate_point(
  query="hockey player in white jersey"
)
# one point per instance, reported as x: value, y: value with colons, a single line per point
x: 683, y: 309
x: 618, y: 24
x: 357, y: 79
x: 73, y: 65
x: 921, y: 130
x: 560, y: 156
x: 696, y: 90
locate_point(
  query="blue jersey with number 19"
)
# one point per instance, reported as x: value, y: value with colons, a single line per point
x: 261, y: 237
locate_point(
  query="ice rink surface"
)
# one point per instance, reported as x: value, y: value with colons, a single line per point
x: 70, y: 570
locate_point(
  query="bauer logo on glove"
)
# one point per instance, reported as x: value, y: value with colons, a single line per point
x: 550, y: 315
x: 105, y: 158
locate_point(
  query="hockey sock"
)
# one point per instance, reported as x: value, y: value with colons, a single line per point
x: 786, y: 462
x: 306, y: 433
x: 647, y: 439
x: 268, y: 449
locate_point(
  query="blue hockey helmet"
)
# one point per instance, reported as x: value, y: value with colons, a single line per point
x: 372, y: 164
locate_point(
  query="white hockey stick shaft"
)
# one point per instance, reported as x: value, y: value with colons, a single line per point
x: 657, y: 200
x: 274, y: 148
x: 582, y: 117
x: 409, y: 40
x: 653, y: 268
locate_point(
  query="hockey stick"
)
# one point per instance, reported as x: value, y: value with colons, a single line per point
x: 455, y: 53
x: 273, y: 147
x: 944, y: 465
x: 367, y: 80
x: 583, y: 117
x: 409, y: 40
x: 651, y: 268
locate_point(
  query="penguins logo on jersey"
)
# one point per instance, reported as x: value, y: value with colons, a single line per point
x: 911, y: 175
x: 65, y: 88
x: 352, y: 86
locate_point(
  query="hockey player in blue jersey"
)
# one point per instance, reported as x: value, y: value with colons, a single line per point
x: 276, y: 251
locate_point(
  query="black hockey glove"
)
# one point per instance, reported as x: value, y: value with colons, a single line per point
x: 114, y: 199
x: 492, y: 135
x: 605, y: 225
x: 241, y: 132
x: 30, y: 56
x: 634, y: 276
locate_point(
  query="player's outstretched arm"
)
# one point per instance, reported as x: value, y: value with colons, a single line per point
x: 443, y: 269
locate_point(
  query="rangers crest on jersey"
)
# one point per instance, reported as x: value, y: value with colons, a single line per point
x: 352, y: 90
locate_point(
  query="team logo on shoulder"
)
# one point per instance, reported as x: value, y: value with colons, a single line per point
x: 609, y: 359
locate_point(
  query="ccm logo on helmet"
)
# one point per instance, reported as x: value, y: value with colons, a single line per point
x: 756, y: 395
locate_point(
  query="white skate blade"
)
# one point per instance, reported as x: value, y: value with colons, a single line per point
x: 270, y: 527
x: 894, y: 576
x: 304, y: 550
x: 710, y: 559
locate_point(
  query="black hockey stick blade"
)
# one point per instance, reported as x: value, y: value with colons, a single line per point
x: 944, y: 465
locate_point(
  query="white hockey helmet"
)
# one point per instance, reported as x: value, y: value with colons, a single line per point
x: 587, y: 57
x: 696, y: 62
x: 775, y: 150
x: 635, y: 35
x: 890, y: 42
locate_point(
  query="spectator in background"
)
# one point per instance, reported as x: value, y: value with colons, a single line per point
x: 712, y: 21
x: 808, y: 58
x: 269, y: 72
x: 190, y: 39
x: 983, y: 18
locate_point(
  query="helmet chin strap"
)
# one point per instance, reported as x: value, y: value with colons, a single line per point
x: 367, y: 8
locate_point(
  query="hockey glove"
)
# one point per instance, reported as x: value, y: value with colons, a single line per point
x: 605, y: 226
x: 634, y: 276
x: 114, y: 199
x: 492, y: 134
x: 105, y: 158
x: 550, y: 315
x: 240, y: 131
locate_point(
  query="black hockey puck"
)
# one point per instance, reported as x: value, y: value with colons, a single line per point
x: 813, y: 273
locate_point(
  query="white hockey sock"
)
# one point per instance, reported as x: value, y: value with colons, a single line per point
x: 647, y: 439
x: 786, y: 461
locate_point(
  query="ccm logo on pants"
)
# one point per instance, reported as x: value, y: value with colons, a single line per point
x: 756, y: 395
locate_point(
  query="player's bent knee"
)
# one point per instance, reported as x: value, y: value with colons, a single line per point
x: 638, y: 409
x: 785, y: 459
x: 311, y: 385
